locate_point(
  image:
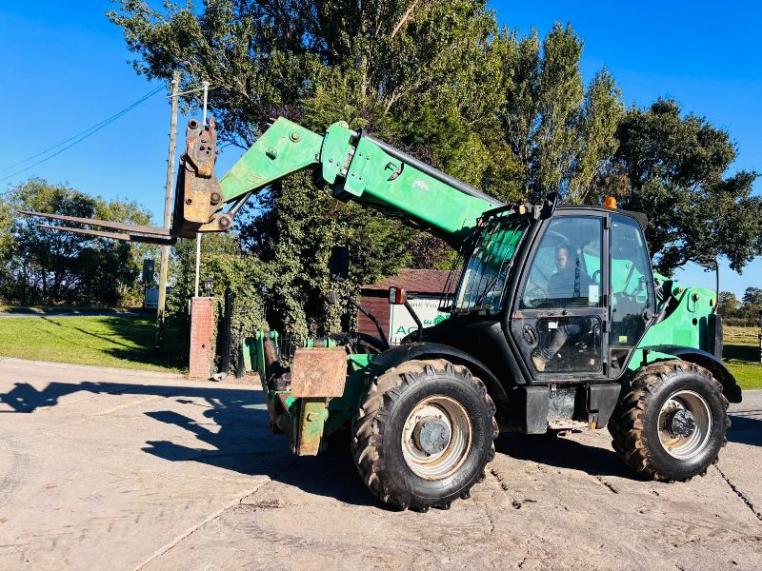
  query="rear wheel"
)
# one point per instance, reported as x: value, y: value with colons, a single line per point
x: 672, y: 423
x: 424, y: 434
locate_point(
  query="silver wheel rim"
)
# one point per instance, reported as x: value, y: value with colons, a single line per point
x: 440, y: 415
x: 684, y: 425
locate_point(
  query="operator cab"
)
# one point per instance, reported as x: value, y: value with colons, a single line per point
x: 570, y: 287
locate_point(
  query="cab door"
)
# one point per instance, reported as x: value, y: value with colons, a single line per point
x: 560, y: 316
x: 632, y: 290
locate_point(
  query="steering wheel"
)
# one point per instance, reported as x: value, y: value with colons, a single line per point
x: 534, y: 295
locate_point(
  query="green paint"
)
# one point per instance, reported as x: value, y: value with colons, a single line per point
x: 375, y: 177
x: 336, y: 153
x: 313, y: 412
x: 283, y: 149
x: 360, y: 168
x: 687, y: 325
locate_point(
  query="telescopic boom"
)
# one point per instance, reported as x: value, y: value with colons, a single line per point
x: 354, y: 166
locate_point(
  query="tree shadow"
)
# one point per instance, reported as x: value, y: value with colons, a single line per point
x: 135, y: 338
x: 235, y: 435
x: 555, y: 450
x: 140, y: 335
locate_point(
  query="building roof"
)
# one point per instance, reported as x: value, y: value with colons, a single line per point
x: 414, y: 281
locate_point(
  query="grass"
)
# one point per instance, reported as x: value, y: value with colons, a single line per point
x: 127, y: 341
x: 107, y: 341
x: 53, y: 309
x: 741, y: 355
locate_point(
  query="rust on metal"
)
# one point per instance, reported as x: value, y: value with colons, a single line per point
x: 197, y: 194
x: 161, y: 240
x: 313, y: 412
x: 318, y: 372
x: 131, y: 228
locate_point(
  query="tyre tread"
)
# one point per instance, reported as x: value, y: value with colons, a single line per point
x: 627, y: 423
x: 370, y: 422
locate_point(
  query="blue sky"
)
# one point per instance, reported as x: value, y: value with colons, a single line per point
x: 65, y: 67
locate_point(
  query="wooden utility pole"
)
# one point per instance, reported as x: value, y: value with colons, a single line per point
x: 164, y: 263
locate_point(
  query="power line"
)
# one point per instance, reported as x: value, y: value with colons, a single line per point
x: 75, y: 139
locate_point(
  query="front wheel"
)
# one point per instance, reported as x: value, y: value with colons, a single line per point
x: 672, y: 423
x: 424, y: 434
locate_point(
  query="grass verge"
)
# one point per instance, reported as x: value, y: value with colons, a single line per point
x: 741, y: 355
x: 106, y: 341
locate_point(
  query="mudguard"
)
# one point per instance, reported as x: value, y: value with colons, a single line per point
x: 730, y: 387
x: 428, y: 350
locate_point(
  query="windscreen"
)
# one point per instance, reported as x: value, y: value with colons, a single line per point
x: 486, y: 269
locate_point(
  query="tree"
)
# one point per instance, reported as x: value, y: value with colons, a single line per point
x: 753, y: 296
x: 673, y: 169
x: 407, y: 70
x: 560, y: 135
x: 727, y: 305
x: 510, y: 115
x: 51, y: 267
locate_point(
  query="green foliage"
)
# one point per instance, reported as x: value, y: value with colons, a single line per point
x: 406, y: 70
x: 744, y: 312
x: 753, y: 296
x: 727, y: 304
x: 752, y: 305
x: 672, y: 167
x: 41, y: 266
x: 508, y: 114
x: 224, y: 268
x: 560, y: 135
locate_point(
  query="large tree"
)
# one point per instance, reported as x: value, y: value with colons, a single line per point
x: 559, y: 133
x: 52, y: 267
x: 436, y: 78
x: 727, y: 305
x: 407, y: 70
x: 674, y: 168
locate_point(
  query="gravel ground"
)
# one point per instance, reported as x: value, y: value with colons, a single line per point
x: 113, y: 469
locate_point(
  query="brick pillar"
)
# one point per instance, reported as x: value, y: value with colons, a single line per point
x: 201, y: 337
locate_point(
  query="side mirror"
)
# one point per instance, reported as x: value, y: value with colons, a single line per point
x: 338, y: 263
x: 397, y: 296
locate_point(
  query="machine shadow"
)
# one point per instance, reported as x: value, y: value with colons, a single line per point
x: 234, y: 435
x: 238, y: 438
x: 553, y: 450
x: 746, y: 427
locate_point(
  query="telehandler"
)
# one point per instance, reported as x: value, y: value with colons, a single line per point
x: 557, y: 322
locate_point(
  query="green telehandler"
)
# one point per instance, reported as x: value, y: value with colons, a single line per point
x: 557, y: 322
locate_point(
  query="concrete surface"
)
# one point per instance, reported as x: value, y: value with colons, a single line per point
x: 110, y: 469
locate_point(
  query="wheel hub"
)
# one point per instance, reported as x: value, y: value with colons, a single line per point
x: 436, y: 437
x: 682, y: 423
x: 432, y: 435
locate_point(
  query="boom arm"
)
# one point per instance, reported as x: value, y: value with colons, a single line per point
x: 357, y: 167
x: 353, y: 165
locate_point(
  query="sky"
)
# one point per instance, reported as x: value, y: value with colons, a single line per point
x: 65, y: 67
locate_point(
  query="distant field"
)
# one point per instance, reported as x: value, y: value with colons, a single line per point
x: 105, y: 340
x: 741, y: 355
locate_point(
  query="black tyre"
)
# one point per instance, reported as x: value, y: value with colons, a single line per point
x: 424, y: 434
x: 672, y: 423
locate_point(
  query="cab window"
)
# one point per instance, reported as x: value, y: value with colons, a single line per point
x: 566, y: 270
x: 631, y: 282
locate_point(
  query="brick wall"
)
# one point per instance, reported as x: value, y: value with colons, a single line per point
x: 201, y: 338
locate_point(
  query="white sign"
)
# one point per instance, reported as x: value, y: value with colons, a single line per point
x: 401, y: 323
